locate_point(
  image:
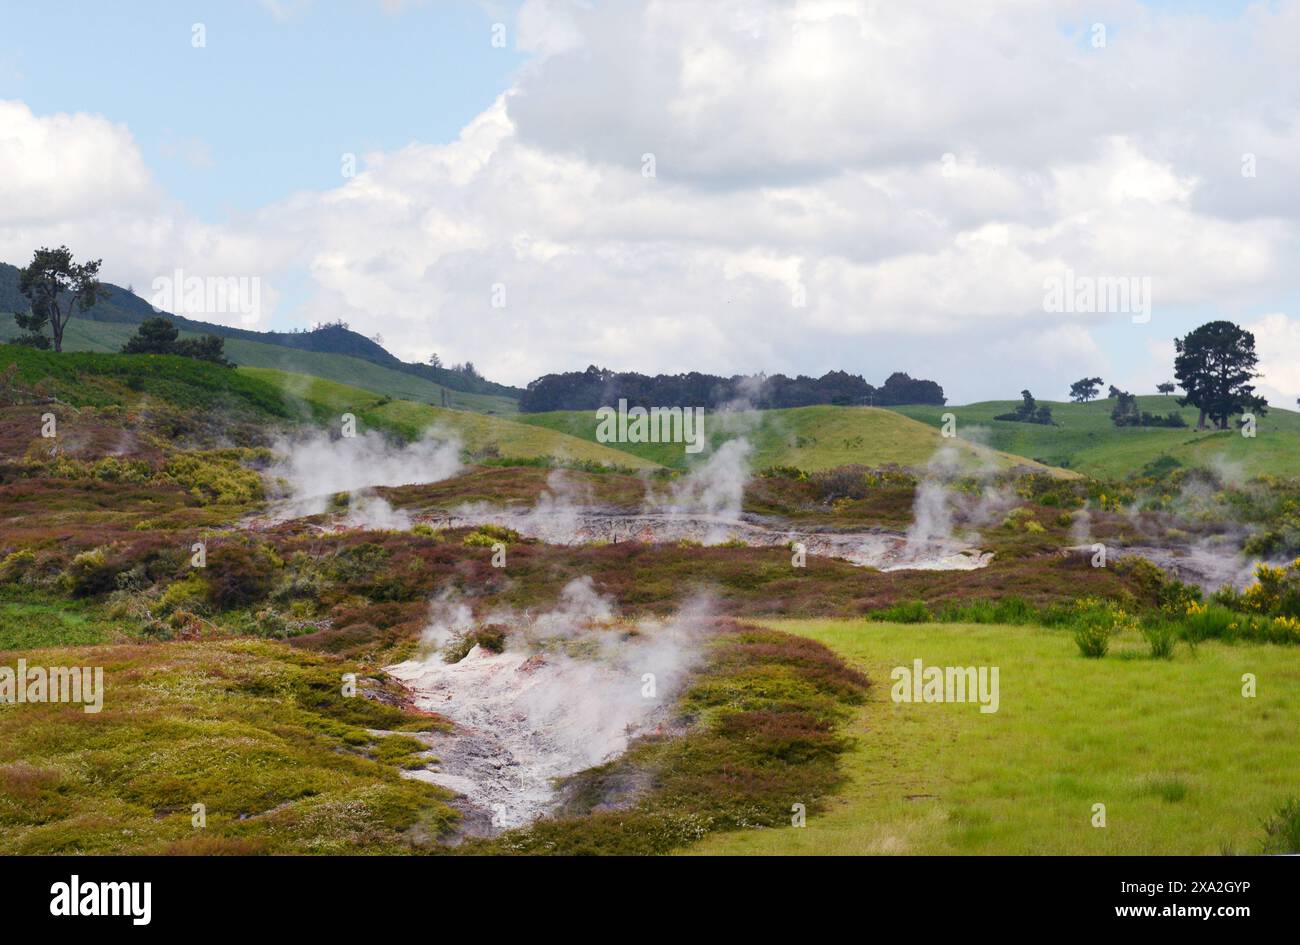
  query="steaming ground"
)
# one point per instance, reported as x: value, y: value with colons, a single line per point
x: 312, y: 469
x: 571, y: 689
x: 883, y: 549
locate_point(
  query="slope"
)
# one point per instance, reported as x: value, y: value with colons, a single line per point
x: 326, y: 401
x: 1085, y: 440
x: 809, y: 438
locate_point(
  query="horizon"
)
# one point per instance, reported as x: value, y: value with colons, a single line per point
x: 493, y: 187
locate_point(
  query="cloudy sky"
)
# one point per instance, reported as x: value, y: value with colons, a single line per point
x: 668, y: 186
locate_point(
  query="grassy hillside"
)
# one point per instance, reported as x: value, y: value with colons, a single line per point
x: 100, y: 380
x: 1084, y: 439
x: 326, y: 400
x: 85, y: 335
x: 1182, y: 762
x: 809, y: 438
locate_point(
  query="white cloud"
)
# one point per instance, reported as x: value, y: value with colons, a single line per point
x: 800, y: 156
x: 1277, y: 341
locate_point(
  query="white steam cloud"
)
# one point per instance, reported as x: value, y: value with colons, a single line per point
x: 569, y: 691
x: 317, y: 467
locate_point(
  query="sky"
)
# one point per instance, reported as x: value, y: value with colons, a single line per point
x: 731, y: 186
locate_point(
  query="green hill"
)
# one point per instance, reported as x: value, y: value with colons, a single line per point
x: 365, y: 362
x: 1084, y: 438
x: 809, y: 438
x: 326, y: 400
x: 108, y: 336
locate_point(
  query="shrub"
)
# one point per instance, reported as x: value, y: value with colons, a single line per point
x: 239, y: 575
x: 1095, y: 623
x: 492, y: 637
x: 15, y: 566
x: 1209, y: 622
x: 912, y: 611
x: 1160, y: 637
x: 92, y: 573
x: 188, y: 594
x: 1283, y: 828
x: 843, y: 482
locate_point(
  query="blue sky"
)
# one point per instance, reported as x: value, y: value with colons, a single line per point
x: 797, y: 148
x: 274, y: 100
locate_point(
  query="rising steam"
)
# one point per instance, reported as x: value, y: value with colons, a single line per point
x: 569, y: 690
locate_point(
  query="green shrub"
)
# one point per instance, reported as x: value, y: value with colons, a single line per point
x: 15, y: 566
x: 1282, y: 830
x: 485, y: 536
x: 1160, y: 637
x: 912, y: 611
x: 92, y: 573
x: 1095, y: 623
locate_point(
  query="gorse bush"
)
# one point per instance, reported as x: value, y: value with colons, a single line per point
x: 1275, y: 593
x: 1095, y: 623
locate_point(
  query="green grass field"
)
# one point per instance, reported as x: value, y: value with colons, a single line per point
x: 809, y: 438
x: 1183, y: 762
x: 108, y: 337
x: 477, y: 431
x: 1084, y: 438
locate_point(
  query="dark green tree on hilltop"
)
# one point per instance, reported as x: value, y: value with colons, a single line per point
x: 1085, y: 390
x: 159, y: 336
x: 1215, y: 365
x: 56, y: 288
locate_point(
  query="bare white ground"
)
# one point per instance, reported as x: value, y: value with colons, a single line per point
x: 535, y: 713
x: 876, y: 549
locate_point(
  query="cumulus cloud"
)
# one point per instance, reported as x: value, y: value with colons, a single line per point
x: 1277, y: 341
x: 836, y: 185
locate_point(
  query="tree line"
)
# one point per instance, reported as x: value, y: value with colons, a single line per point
x: 598, y: 387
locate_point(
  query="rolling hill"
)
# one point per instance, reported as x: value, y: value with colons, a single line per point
x: 87, y: 335
x: 809, y: 438
x: 334, y: 352
x: 1084, y: 439
x: 326, y: 400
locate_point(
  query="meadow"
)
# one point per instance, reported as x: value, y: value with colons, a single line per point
x: 1183, y: 762
x: 807, y: 438
x: 1084, y: 439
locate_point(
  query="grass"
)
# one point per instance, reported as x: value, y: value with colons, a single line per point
x: 808, y: 438
x: 1085, y: 440
x: 326, y: 400
x: 108, y: 337
x: 259, y: 734
x: 1183, y: 763
x: 99, y: 380
x: 30, y: 625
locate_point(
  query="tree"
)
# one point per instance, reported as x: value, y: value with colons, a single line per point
x: 1029, y: 411
x: 56, y: 288
x: 1085, y: 390
x: 1214, y: 366
x: 154, y: 336
x: 159, y: 336
x: 1166, y: 388
x: 435, y: 361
